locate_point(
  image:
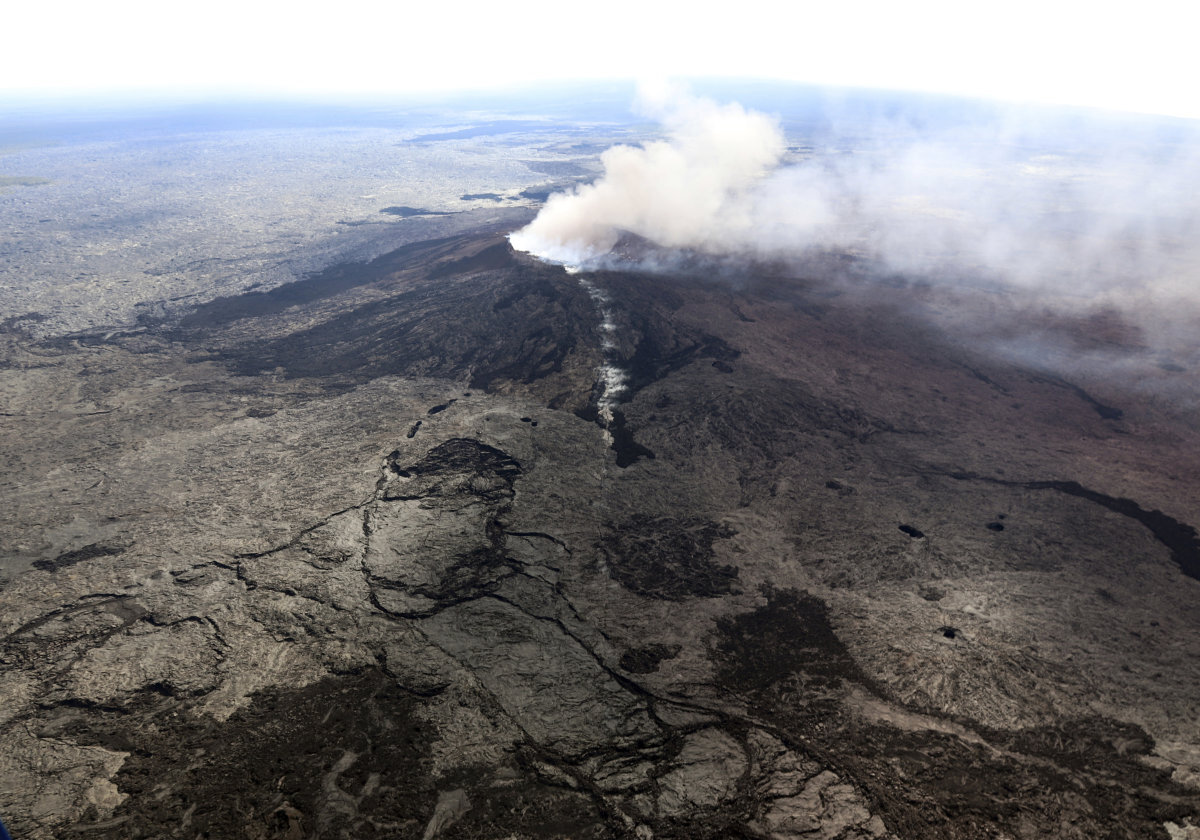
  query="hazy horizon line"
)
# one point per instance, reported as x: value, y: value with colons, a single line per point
x: 100, y: 98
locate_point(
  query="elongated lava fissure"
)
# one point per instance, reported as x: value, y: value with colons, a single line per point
x: 612, y: 381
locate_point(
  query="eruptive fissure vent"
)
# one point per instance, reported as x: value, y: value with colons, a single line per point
x: 612, y: 380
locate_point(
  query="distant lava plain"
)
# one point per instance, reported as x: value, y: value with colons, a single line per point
x: 360, y: 556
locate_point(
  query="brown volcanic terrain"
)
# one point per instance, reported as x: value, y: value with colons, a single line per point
x: 356, y: 557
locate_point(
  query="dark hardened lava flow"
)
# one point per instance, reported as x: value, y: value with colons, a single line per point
x: 318, y: 286
x: 668, y: 559
x: 1179, y: 537
x: 277, y: 768
x: 517, y: 321
x: 786, y: 660
x: 643, y: 305
x: 464, y: 308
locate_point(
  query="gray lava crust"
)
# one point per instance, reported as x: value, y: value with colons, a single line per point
x: 351, y: 558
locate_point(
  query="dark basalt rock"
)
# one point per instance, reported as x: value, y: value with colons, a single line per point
x: 492, y: 258
x: 458, y: 466
x: 407, y: 212
x: 628, y: 450
x: 670, y: 559
x: 1179, y: 537
x: 344, y: 751
x: 1073, y: 783
x: 516, y: 323
x: 530, y: 807
x: 79, y: 555
x: 319, y: 286
x: 789, y: 637
x: 786, y: 657
x: 646, y: 660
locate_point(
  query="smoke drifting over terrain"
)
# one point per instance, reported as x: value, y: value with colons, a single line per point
x: 678, y: 192
x: 1060, y: 213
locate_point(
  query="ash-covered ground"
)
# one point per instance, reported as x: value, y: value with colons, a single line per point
x: 378, y: 549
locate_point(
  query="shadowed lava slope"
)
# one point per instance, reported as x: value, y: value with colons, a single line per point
x: 465, y: 308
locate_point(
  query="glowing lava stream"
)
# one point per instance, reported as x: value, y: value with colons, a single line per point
x: 613, y: 379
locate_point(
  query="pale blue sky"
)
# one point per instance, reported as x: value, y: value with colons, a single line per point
x: 1129, y: 57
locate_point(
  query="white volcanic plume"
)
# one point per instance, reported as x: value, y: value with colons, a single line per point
x: 1053, y: 212
x: 1075, y: 210
x: 688, y: 190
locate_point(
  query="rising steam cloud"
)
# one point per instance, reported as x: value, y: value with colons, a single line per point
x: 678, y: 192
x: 1070, y: 213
